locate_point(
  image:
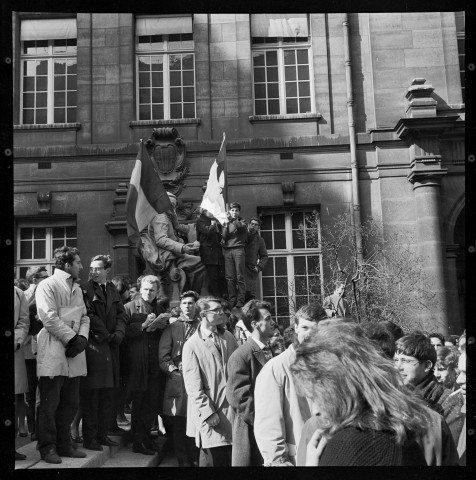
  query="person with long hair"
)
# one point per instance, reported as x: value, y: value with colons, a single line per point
x: 446, y: 365
x: 366, y: 414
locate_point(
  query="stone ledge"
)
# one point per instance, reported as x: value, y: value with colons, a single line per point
x: 297, y: 117
x: 153, y: 123
x: 48, y: 126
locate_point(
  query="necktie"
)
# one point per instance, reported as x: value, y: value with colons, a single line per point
x: 103, y: 288
x: 216, y: 340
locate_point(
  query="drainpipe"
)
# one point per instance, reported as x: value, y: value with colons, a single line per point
x: 353, y: 142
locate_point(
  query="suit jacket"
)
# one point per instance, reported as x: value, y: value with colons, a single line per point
x: 243, y: 368
x: 205, y: 374
x: 170, y: 355
x: 280, y: 413
x: 106, y: 317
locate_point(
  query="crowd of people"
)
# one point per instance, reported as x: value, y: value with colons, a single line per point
x: 218, y: 382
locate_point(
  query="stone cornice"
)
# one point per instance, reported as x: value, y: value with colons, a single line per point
x: 416, y: 127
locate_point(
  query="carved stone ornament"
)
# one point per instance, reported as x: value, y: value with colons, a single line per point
x: 167, y: 148
x: 44, y: 202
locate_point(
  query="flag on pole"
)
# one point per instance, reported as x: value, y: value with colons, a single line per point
x: 146, y: 195
x: 213, y: 198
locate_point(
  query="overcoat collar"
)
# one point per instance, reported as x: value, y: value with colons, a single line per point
x: 257, y: 352
x: 212, y: 347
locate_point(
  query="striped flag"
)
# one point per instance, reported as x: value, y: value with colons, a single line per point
x: 213, y: 198
x: 146, y: 195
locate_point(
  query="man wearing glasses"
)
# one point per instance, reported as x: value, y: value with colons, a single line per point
x: 204, y: 362
x: 415, y: 358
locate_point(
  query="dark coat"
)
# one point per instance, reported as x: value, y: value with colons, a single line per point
x: 243, y: 367
x: 209, y: 237
x: 255, y: 250
x: 107, y: 318
x: 142, y: 346
x: 170, y: 355
x: 432, y: 392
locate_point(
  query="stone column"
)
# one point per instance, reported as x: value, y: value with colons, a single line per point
x: 454, y: 314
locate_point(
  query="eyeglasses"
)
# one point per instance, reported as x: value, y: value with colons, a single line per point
x: 217, y: 311
x: 96, y: 269
x: 405, y: 361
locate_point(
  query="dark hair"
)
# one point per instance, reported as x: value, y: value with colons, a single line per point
x: 35, y: 272
x: 437, y: 335
x: 235, y: 205
x: 225, y: 304
x: 393, y: 328
x: 64, y: 255
x: 21, y: 283
x: 254, y: 219
x: 252, y: 315
x: 255, y: 303
x: 105, y: 259
x: 416, y: 345
x: 288, y: 335
x: 121, y: 284
x: 447, y: 357
x: 203, y: 303
x: 380, y: 337
x: 190, y: 293
x: 312, y: 312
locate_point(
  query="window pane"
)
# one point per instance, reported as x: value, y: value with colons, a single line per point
x: 302, y: 57
x: 187, y: 62
x: 41, y: 84
x: 71, y: 66
x: 25, y: 250
x: 156, y: 42
x: 26, y: 233
x: 42, y: 67
x: 273, y: 107
x: 175, y: 79
x: 188, y: 78
x: 300, y: 285
x: 258, y: 59
x: 291, y: 89
x: 144, y: 95
x: 290, y: 73
x: 188, y: 94
x: 268, y: 270
x: 282, y: 306
x: 297, y: 242
x: 304, y: 89
x: 41, y: 99
x: 59, y: 46
x: 174, y: 62
x: 144, y: 112
x: 279, y: 239
x: 144, y: 64
x: 39, y: 249
x: 273, y: 90
x: 71, y: 232
x: 39, y: 233
x: 157, y: 79
x: 58, y: 244
x: 157, y: 63
x: 60, y: 115
x: 60, y: 83
x: 28, y: 100
x: 189, y: 110
x: 28, y: 117
x: 278, y: 221
x: 296, y: 219
x: 175, y: 94
x: 29, y: 46
x: 272, y: 74
x: 71, y: 99
x: 41, y: 116
x: 313, y: 265
x: 266, y: 222
x: 281, y: 267
x: 303, y: 73
x: 267, y: 237
x: 60, y: 99
x: 29, y: 84
x: 157, y: 95
x: 176, y: 111
x: 259, y: 75
x: 299, y: 265
x: 71, y: 115
x: 58, y: 232
x: 144, y: 80
x: 260, y: 90
x: 291, y: 106
x: 158, y: 112
x: 268, y: 286
x: 72, y: 243
x: 271, y: 58
x: 304, y: 105
x: 60, y: 67
x: 289, y: 57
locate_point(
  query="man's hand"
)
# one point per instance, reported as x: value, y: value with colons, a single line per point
x: 314, y: 448
x: 213, y: 420
x: 150, y: 318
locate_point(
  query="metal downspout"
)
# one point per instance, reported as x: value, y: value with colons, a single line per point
x: 352, y: 142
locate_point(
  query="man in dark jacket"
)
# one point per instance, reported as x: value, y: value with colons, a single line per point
x: 243, y: 367
x: 106, y: 331
x: 145, y: 321
x: 234, y: 237
x: 209, y: 235
x: 415, y: 359
x: 256, y: 257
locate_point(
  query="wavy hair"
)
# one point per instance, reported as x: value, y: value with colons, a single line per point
x: 355, y: 384
x: 105, y: 259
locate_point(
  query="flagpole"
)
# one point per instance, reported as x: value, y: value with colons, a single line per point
x: 225, y: 171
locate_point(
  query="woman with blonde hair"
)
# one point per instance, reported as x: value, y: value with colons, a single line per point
x: 366, y: 415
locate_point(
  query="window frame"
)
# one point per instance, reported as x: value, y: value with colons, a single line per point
x: 50, y: 57
x: 165, y: 53
x: 48, y: 262
x: 280, y: 46
x: 290, y: 253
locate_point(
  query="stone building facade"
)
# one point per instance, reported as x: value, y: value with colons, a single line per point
x: 322, y: 112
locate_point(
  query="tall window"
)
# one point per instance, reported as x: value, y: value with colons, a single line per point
x: 460, y: 37
x: 36, y: 244
x: 293, y: 275
x: 281, y: 64
x: 48, y: 71
x: 165, y: 68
